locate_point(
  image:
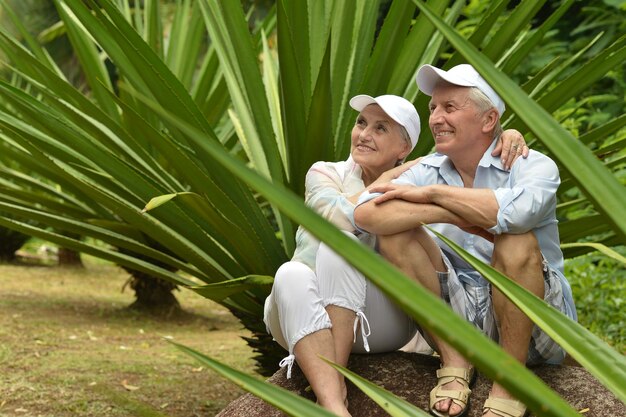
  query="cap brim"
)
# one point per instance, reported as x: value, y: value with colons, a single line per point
x: 428, y: 77
x: 361, y: 101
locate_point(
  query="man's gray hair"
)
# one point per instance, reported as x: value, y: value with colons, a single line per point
x: 483, y: 103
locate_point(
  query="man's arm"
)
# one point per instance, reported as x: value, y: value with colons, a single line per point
x: 397, y: 215
x: 475, y: 207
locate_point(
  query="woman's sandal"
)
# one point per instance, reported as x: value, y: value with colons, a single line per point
x: 505, y: 408
x: 460, y: 397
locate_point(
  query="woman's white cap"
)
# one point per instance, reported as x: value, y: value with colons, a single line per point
x: 398, y: 108
x: 464, y: 75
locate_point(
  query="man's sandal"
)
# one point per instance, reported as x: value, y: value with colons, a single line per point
x: 460, y: 397
x: 504, y: 408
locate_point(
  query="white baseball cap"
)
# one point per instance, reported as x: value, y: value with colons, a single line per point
x: 464, y: 75
x: 398, y: 108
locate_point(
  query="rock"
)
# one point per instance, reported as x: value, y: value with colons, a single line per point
x: 411, y: 376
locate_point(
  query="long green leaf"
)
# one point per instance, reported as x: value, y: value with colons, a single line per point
x: 227, y: 27
x: 390, y: 403
x: 597, y: 357
x: 220, y: 290
x: 97, y: 251
x: 90, y: 60
x: 280, y: 398
x: 599, y: 247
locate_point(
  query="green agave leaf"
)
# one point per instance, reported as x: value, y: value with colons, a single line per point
x: 153, y: 30
x: 572, y: 230
x: 591, y: 71
x: 114, y: 233
x: 42, y: 201
x: 220, y: 290
x: 230, y: 35
x: 290, y: 403
x: 319, y: 18
x: 392, y: 404
x: 45, y: 188
x: 599, y: 247
x: 184, y: 23
x: 413, y: 298
x: 596, y: 356
x: 90, y: 60
x: 97, y: 251
x: 481, y: 31
x: 604, y: 130
x: 230, y: 235
x: 510, y: 29
x: 602, y: 188
x: 388, y: 47
x: 414, y: 48
x: 353, y: 29
x: 512, y: 60
x: 38, y: 51
x: 270, y: 81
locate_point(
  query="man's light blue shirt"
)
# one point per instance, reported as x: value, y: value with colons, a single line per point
x: 526, y: 198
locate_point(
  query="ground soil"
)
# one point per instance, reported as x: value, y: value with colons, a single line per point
x: 70, y: 347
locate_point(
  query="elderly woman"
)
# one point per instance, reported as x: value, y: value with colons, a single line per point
x: 312, y: 316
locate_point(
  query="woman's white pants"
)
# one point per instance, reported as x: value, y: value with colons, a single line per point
x: 296, y: 306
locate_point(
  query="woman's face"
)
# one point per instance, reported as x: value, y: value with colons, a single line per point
x: 377, y: 140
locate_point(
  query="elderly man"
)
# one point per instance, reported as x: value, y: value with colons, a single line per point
x: 505, y: 217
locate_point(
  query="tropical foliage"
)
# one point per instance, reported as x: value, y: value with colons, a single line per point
x: 214, y: 137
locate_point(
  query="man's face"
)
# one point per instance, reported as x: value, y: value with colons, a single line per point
x: 454, y: 120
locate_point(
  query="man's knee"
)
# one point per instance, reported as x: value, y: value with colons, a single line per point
x: 513, y: 253
x: 411, y: 246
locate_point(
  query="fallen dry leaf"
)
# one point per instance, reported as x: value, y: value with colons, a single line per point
x: 129, y: 387
x: 584, y: 410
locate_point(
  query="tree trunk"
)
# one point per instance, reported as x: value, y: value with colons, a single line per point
x: 153, y: 295
x: 10, y: 242
x: 69, y: 257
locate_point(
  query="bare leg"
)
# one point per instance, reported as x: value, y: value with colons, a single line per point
x: 327, y: 384
x: 343, y: 320
x: 519, y: 258
x: 422, y: 265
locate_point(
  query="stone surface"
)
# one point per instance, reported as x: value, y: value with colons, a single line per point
x: 412, y: 376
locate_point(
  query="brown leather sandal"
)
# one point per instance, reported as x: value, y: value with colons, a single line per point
x: 504, y: 407
x: 459, y: 397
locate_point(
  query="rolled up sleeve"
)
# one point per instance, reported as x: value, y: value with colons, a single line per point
x: 529, y: 199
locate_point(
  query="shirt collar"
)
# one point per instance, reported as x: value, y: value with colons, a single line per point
x: 488, y: 160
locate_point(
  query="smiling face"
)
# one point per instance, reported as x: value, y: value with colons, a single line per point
x: 459, y: 127
x: 377, y: 141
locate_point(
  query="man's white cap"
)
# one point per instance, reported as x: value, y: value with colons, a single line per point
x: 464, y: 75
x: 398, y: 108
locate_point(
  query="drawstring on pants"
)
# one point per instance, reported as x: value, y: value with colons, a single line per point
x: 288, y: 362
x: 364, y: 333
